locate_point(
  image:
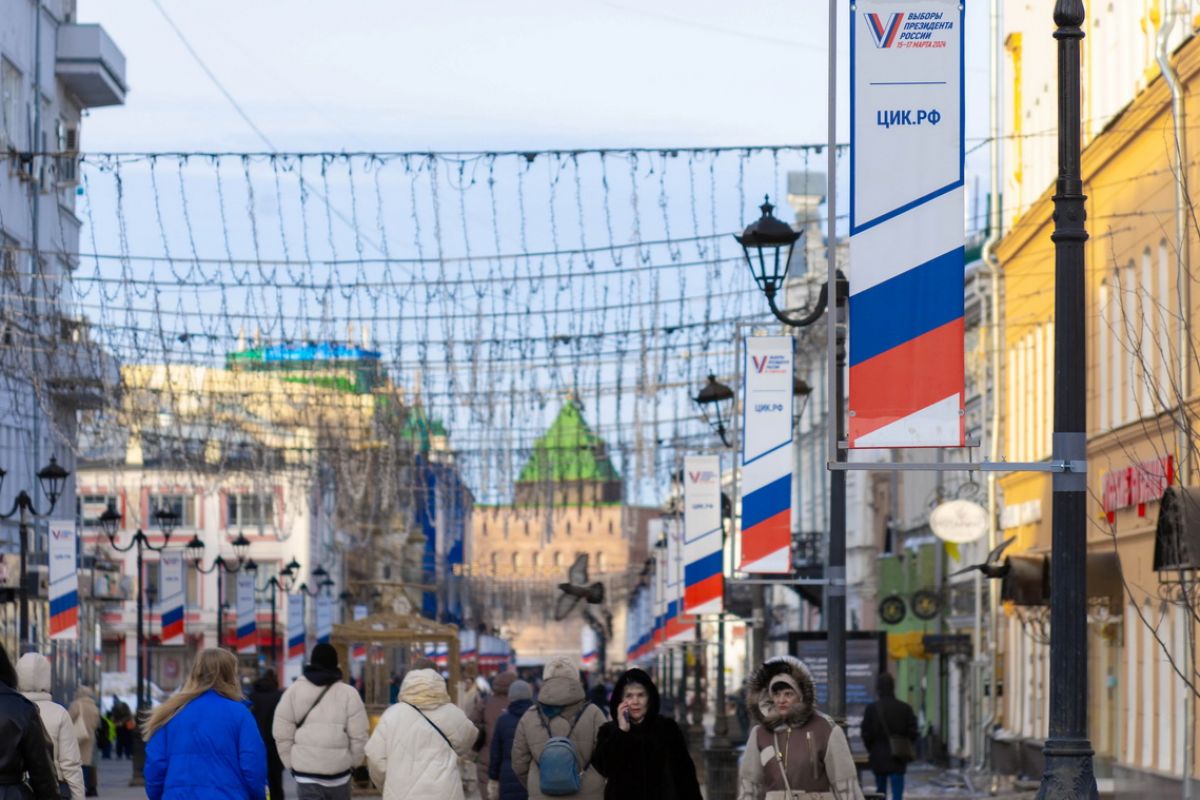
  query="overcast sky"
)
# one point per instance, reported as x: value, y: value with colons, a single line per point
x: 473, y: 74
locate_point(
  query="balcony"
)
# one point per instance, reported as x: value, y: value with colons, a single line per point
x: 78, y: 370
x: 90, y: 65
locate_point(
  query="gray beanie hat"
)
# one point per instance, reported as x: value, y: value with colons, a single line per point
x: 520, y: 690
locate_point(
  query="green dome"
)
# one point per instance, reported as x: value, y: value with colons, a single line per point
x: 569, y: 451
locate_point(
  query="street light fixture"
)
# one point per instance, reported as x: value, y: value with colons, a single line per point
x: 51, y: 478
x: 767, y: 238
x: 195, y: 552
x: 719, y: 398
x: 109, y: 524
x: 274, y: 585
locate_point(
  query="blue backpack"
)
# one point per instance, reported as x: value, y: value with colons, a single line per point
x: 559, y: 773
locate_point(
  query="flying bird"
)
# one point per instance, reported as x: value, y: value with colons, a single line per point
x: 577, y: 589
x: 991, y: 568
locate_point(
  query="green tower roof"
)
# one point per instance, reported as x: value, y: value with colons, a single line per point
x: 568, y: 451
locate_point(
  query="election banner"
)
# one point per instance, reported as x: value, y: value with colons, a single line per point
x: 64, y: 582
x: 171, y: 596
x: 358, y: 653
x: 906, y: 224
x: 295, y: 626
x: 703, y: 539
x: 589, y: 648
x: 766, y: 486
x: 675, y: 629
x: 658, y: 587
x: 324, y: 619
x: 247, y: 628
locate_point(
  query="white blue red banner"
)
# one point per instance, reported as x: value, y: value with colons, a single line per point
x: 766, y: 485
x: 247, y: 628
x: 64, y: 581
x: 324, y: 618
x: 358, y: 652
x: 906, y: 224
x: 674, y: 627
x: 295, y: 626
x: 171, y: 596
x: 703, y: 549
x: 589, y: 648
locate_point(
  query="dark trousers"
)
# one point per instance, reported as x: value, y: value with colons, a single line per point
x: 896, y: 779
x: 275, y: 782
x: 124, y: 743
x: 89, y: 780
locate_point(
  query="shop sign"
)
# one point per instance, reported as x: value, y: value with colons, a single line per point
x: 1137, y: 485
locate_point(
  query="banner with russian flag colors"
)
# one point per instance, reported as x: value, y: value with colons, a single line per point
x: 247, y: 628
x: 589, y: 648
x: 324, y: 618
x: 171, y: 596
x: 703, y: 539
x: 358, y: 652
x: 675, y: 629
x: 64, y: 582
x: 295, y: 626
x: 766, y: 485
x: 906, y: 224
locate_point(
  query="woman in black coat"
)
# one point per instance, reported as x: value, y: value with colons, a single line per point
x: 884, y: 718
x: 264, y: 697
x: 643, y: 754
x: 23, y: 750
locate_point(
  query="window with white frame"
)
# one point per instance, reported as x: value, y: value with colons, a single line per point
x: 182, y: 505
x: 250, y: 509
x: 91, y: 506
x: 10, y: 104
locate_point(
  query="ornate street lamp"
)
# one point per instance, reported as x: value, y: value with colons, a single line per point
x: 166, y: 520
x: 716, y: 406
x: 51, y: 478
x: 241, y: 547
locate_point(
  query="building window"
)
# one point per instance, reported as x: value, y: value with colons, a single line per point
x: 610, y: 527
x: 250, y: 509
x: 537, y: 562
x: 484, y: 531
x: 495, y: 562
x: 183, y: 506
x: 568, y: 527
x: 516, y: 561
x: 91, y: 506
x: 558, y: 558
x: 10, y: 103
x: 600, y: 561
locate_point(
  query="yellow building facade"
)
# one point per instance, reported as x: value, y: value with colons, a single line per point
x: 1140, y: 708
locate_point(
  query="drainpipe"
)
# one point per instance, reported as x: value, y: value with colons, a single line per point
x: 987, y: 666
x: 1184, y: 289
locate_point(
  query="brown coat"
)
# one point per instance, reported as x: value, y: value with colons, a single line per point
x: 560, y: 688
x: 85, y: 706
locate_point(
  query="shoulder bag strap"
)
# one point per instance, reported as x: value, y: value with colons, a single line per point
x: 432, y: 723
x: 314, y: 705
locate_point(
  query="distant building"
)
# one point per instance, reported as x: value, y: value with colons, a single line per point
x: 568, y: 501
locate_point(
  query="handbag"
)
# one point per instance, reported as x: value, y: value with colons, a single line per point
x: 82, y: 734
x: 901, y: 746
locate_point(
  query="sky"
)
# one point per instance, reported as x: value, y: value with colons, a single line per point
x: 313, y: 75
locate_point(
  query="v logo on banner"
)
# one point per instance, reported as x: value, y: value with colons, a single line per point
x: 883, y: 33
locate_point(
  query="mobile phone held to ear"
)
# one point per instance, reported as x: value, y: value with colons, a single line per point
x: 626, y: 713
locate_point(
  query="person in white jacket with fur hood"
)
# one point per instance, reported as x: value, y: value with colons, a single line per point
x: 33, y: 680
x: 413, y: 753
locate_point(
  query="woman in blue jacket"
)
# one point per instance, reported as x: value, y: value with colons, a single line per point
x: 203, y: 742
x: 503, y: 782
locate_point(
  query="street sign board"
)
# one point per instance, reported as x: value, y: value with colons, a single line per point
x: 866, y: 657
x: 947, y: 644
x: 766, y: 486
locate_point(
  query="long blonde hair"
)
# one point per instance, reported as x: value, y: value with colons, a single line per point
x: 213, y: 669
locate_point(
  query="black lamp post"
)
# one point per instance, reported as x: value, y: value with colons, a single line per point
x: 282, y: 583
x: 241, y: 548
x: 764, y: 242
x: 166, y: 520
x: 716, y: 405
x: 1068, y: 752
x: 151, y: 599
x: 52, y: 478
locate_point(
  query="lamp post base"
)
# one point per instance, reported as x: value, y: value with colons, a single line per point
x: 721, y: 770
x: 1069, y: 773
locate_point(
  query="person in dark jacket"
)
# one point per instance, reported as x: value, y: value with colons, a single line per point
x: 122, y: 717
x: 264, y: 697
x: 23, y: 748
x: 503, y: 783
x: 884, y: 718
x: 643, y: 754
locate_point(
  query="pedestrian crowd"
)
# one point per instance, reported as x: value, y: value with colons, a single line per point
x: 505, y: 740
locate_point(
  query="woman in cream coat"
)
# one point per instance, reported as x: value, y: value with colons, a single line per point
x: 415, y: 749
x: 33, y: 679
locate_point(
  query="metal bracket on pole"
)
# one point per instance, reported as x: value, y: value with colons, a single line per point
x: 777, y: 581
x: 1074, y: 466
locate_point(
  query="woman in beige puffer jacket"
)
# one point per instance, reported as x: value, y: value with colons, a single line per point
x: 560, y: 704
x: 415, y: 749
x: 33, y: 679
